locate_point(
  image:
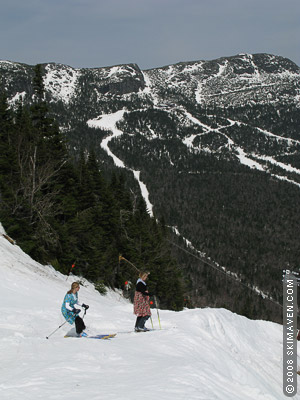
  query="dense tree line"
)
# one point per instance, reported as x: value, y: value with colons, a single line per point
x: 62, y: 211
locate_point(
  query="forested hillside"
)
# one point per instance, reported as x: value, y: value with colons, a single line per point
x: 65, y: 212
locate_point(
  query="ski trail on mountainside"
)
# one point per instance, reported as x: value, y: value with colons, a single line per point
x: 252, y: 159
x: 217, y: 266
x: 109, y: 122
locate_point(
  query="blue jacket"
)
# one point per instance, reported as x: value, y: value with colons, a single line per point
x: 72, y: 299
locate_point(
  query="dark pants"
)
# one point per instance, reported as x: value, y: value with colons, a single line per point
x: 140, y: 322
x: 79, y: 325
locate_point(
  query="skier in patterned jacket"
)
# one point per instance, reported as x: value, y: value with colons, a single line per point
x: 71, y: 308
x: 141, y: 304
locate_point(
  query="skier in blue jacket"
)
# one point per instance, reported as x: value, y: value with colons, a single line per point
x: 71, y: 308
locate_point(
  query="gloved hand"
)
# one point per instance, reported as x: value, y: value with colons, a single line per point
x: 85, y: 306
x: 75, y: 311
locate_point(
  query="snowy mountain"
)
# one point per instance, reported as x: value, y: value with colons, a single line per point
x: 214, y: 148
x: 200, y: 354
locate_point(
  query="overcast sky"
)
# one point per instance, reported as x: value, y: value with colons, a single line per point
x: 151, y: 33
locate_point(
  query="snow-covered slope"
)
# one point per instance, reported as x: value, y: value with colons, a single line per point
x: 198, y: 354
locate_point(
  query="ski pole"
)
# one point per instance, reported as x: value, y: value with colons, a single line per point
x: 157, y: 312
x: 151, y: 303
x: 47, y: 337
x: 151, y: 322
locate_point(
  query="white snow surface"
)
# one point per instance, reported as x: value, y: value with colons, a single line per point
x: 61, y: 81
x: 199, y: 354
x: 16, y: 98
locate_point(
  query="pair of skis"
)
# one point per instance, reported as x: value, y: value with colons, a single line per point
x: 109, y: 335
x: 105, y: 336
